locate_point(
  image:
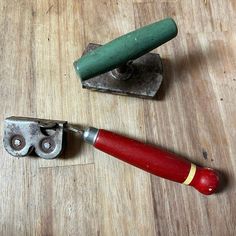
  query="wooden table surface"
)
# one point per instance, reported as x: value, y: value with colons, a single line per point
x: 87, y: 192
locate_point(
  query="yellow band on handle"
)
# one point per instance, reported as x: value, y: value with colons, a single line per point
x: 191, y: 174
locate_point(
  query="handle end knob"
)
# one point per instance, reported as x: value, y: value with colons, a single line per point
x: 206, y: 181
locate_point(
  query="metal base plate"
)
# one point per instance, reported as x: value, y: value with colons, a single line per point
x: 144, y: 82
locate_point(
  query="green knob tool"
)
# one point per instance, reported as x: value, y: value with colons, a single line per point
x: 124, y: 66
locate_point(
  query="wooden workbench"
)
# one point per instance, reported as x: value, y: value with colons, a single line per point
x: 87, y: 192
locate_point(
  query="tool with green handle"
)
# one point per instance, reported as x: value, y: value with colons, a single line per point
x: 124, y: 66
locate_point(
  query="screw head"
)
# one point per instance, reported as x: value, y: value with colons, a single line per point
x: 17, y: 142
x: 47, y: 145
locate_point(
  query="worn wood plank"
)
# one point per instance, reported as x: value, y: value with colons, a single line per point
x: 87, y: 192
x: 197, y: 91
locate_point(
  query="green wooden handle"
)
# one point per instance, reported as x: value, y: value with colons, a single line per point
x: 127, y: 47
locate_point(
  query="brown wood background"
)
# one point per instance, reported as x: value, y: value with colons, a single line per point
x: 86, y: 192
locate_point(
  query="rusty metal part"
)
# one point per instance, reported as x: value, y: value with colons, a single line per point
x: 142, y: 78
x: 22, y: 135
x: 47, y: 145
x: 17, y: 142
x: 123, y: 72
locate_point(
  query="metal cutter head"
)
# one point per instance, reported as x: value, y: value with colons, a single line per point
x: 23, y: 135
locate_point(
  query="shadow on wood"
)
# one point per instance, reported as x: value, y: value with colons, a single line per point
x: 72, y: 145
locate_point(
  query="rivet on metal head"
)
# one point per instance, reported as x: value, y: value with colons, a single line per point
x: 47, y: 145
x: 17, y: 142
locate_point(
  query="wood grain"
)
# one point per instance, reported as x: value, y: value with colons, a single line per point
x: 87, y: 192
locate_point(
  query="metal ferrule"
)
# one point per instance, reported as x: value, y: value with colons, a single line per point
x: 90, y: 135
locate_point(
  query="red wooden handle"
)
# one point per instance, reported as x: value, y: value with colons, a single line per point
x: 157, y: 161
